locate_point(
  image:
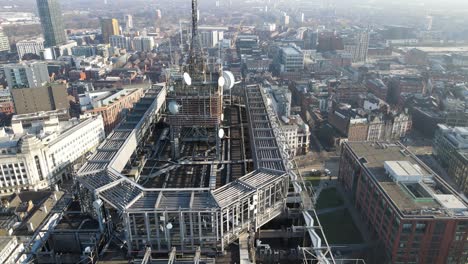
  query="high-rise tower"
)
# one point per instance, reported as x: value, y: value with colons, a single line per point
x: 195, y: 103
x: 50, y: 14
x: 109, y: 27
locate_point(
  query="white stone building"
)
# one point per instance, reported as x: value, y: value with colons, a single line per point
x: 34, y: 46
x: 10, y: 250
x: 297, y: 134
x: 41, y: 154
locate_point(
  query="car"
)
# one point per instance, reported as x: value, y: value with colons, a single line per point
x: 327, y: 171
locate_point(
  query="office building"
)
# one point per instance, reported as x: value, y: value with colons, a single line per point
x: 110, y: 105
x: 86, y: 51
x: 128, y: 22
x: 210, y: 38
x: 4, y: 42
x: 158, y: 14
x: 34, y: 46
x: 46, y: 98
x: 50, y: 14
x: 358, y: 46
x: 413, y: 213
x: 329, y: 41
x: 310, y: 38
x: 29, y: 74
x: 450, y: 147
x: 121, y: 42
x: 41, y: 152
x: 143, y: 43
x: 109, y: 27
x: 291, y: 59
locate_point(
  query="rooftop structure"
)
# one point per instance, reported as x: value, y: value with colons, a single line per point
x: 414, y: 213
x: 405, y: 180
x: 183, y: 207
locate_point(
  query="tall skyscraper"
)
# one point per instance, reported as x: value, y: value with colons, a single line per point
x: 128, y: 22
x: 52, y: 22
x: 109, y: 27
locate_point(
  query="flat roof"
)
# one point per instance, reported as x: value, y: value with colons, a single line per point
x: 291, y: 51
x: 406, y: 198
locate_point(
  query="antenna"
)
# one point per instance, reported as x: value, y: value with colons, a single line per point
x: 187, y: 79
x: 196, y: 63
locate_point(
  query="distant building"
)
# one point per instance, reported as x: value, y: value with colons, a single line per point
x: 362, y: 126
x: 450, y: 147
x: 285, y: 20
x: 210, y: 38
x: 310, y: 38
x: 29, y: 74
x: 4, y: 42
x: 121, y: 42
x: 413, y: 213
x: 52, y: 22
x: 46, y: 98
x: 128, y: 22
x: 87, y: 51
x: 29, y: 47
x: 143, y: 43
x: 329, y: 41
x: 109, y: 27
x: 359, y: 46
x: 158, y: 14
x: 40, y: 152
x: 110, y: 105
x: 291, y: 59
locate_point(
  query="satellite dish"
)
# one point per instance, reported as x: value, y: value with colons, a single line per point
x: 221, y: 81
x: 169, y: 226
x: 229, y: 80
x: 187, y: 79
x: 221, y: 133
x: 173, y: 107
x: 171, y: 88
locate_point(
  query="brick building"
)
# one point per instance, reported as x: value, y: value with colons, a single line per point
x: 415, y: 216
x: 110, y: 105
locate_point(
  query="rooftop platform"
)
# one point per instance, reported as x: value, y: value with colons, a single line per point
x: 413, y: 196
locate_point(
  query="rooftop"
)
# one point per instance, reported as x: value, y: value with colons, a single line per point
x: 291, y: 51
x: 412, y: 197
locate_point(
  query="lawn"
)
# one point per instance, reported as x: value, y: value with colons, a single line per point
x: 329, y: 198
x: 339, y: 228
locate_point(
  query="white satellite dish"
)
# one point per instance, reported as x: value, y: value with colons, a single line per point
x: 221, y: 81
x: 187, y: 78
x: 171, y: 88
x: 229, y: 80
x: 173, y: 107
x: 169, y: 226
x: 221, y: 133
